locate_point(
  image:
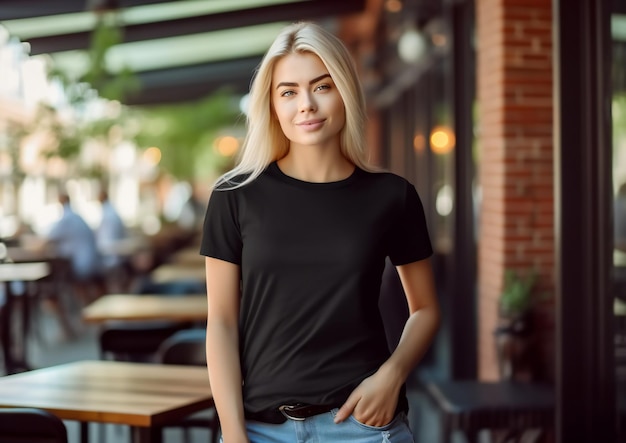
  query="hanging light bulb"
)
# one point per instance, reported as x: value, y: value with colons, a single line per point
x: 412, y: 45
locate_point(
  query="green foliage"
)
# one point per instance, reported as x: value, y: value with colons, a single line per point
x: 185, y: 132
x: 69, y: 137
x: 10, y: 143
x: 106, y: 34
x: 515, y: 299
x: 67, y: 140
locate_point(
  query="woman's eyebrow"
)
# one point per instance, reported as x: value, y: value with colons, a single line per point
x: 292, y: 84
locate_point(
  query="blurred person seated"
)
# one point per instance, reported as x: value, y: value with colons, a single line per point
x: 71, y: 237
x: 112, y: 238
x: 183, y: 207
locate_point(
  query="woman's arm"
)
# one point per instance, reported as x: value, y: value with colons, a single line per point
x: 374, y: 401
x: 222, y: 347
x: 423, y: 322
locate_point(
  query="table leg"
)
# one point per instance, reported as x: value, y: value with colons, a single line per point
x: 11, y: 363
x: 472, y: 435
x: 25, y: 323
x: 5, y: 329
x: 84, y: 432
x: 146, y: 435
x: 446, y: 428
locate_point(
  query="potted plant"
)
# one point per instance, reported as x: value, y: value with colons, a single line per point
x: 513, y: 333
x: 515, y: 301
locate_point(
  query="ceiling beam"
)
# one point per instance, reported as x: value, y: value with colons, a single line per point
x: 307, y: 10
x: 193, y: 82
x: 13, y: 10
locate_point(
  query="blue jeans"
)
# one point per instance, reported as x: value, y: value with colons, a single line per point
x: 322, y: 429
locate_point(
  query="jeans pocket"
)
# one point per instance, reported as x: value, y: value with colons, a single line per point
x: 375, y: 428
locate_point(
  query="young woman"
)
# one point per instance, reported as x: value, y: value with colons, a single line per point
x: 296, y: 238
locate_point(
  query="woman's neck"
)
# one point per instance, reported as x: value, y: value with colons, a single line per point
x: 314, y: 166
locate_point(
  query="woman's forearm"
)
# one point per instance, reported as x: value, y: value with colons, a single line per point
x: 417, y: 336
x: 224, y: 368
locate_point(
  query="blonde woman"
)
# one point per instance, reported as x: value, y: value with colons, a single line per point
x: 295, y: 239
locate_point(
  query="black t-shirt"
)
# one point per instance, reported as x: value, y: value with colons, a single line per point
x: 312, y: 257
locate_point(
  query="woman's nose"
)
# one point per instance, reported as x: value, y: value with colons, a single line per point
x: 307, y: 102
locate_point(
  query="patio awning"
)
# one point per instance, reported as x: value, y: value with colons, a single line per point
x: 179, y: 50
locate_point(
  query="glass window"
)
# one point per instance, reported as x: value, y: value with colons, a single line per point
x: 618, y: 28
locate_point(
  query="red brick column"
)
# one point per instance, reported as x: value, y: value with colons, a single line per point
x: 514, y: 71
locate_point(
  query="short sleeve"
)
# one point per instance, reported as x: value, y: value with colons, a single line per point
x: 221, y: 235
x: 409, y: 238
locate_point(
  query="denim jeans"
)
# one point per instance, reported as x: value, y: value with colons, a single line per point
x: 322, y: 429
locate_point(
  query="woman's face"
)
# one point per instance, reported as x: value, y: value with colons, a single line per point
x: 306, y: 101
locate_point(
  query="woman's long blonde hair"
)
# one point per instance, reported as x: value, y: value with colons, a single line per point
x: 265, y: 141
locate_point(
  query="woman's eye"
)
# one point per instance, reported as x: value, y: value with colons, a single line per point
x: 286, y: 93
x: 320, y: 87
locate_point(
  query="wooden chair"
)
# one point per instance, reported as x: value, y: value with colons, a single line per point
x: 187, y: 347
x: 19, y: 425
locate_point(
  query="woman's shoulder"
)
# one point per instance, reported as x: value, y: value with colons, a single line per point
x: 234, y: 182
x: 231, y: 183
x: 383, y: 177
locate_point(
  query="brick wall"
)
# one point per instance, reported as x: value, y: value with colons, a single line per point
x: 514, y: 93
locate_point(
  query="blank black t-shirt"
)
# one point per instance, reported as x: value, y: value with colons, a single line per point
x: 312, y: 257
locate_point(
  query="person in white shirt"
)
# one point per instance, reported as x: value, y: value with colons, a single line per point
x: 110, y: 234
x: 72, y: 238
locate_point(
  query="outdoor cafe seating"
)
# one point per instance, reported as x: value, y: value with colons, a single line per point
x: 31, y: 425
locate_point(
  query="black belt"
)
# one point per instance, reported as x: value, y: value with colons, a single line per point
x: 293, y: 412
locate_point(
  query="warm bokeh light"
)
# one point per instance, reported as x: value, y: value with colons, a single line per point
x: 226, y: 146
x: 419, y: 143
x: 439, y: 40
x: 393, y: 5
x: 442, y: 140
x: 152, y: 155
x: 6, y: 164
x: 31, y: 160
x: 56, y: 167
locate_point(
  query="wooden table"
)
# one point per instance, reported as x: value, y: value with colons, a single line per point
x: 144, y: 396
x: 146, y: 307
x: 188, y: 256
x: 30, y: 255
x: 11, y: 273
x: 172, y: 272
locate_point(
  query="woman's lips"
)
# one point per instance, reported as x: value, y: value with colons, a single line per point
x: 311, y: 125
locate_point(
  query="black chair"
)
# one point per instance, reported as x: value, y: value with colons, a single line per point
x: 470, y: 406
x: 136, y: 342
x: 187, y: 347
x: 177, y: 287
x: 20, y: 425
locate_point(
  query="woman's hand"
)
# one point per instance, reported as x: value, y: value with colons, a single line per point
x: 374, y: 401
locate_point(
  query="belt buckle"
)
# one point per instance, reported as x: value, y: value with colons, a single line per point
x: 284, y: 409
